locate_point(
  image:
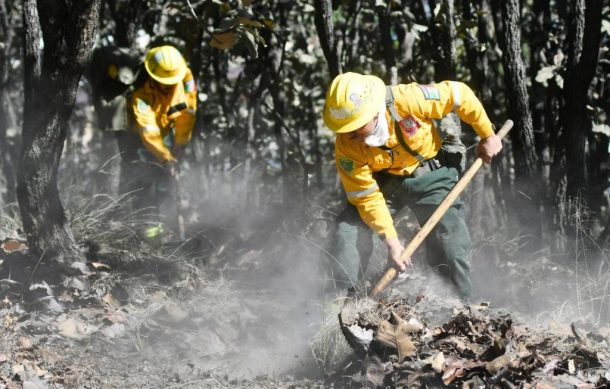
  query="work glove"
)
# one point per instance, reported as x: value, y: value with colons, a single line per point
x: 171, y: 167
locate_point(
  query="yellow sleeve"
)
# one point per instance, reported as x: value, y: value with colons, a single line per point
x: 186, y: 121
x: 435, y: 101
x: 147, y: 128
x: 361, y: 188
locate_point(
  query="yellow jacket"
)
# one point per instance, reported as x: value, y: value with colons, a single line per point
x: 155, y: 113
x: 417, y: 105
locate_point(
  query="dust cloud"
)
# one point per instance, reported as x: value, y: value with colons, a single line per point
x: 263, y: 304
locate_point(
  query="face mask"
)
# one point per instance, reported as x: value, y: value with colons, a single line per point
x: 381, y: 134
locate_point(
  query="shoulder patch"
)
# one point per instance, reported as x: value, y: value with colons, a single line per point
x: 189, y: 86
x: 409, y: 126
x: 346, y: 164
x: 430, y: 92
x: 142, y: 105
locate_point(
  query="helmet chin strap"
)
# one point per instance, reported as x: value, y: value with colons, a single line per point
x: 381, y: 134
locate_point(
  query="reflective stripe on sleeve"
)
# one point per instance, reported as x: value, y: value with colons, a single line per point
x: 150, y: 128
x: 456, y: 95
x: 362, y: 193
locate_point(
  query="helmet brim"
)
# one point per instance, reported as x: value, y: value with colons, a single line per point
x: 377, y: 96
x: 167, y: 80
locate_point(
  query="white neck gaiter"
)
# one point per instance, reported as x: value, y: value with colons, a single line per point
x: 381, y: 133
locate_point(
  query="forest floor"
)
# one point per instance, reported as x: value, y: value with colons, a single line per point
x: 223, y: 312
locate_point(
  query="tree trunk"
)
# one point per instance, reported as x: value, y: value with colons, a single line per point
x: 127, y: 16
x: 324, y: 26
x: 447, y: 65
x: 50, y: 90
x: 476, y: 59
x: 442, y: 37
x: 526, y: 160
x: 385, y: 28
x: 584, y: 36
x: 525, y: 196
x: 6, y: 154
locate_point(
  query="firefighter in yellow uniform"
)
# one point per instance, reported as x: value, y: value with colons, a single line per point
x: 389, y: 149
x: 163, y: 110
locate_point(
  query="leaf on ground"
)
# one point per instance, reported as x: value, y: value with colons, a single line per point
x: 49, y: 357
x: 82, y: 267
x: 111, y: 300
x: 65, y: 297
x: 114, y: 330
x: 438, y: 362
x: 33, y: 367
x: 18, y: 368
x: 42, y: 285
x: 99, y: 266
x: 116, y: 316
x: 72, y: 328
x: 456, y: 367
x: 25, y: 343
x: 11, y: 245
x: 543, y: 385
x: 3, y: 358
x: 497, y: 364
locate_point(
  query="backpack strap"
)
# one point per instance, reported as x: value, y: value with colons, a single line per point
x: 389, y: 102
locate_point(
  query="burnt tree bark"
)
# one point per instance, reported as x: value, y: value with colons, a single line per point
x: 524, y: 147
x: 525, y: 197
x: 324, y: 25
x: 51, y: 76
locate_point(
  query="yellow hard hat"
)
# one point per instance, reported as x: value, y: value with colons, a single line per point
x: 352, y: 101
x: 165, y: 64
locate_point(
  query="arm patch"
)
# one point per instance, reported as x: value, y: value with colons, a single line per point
x: 430, y: 92
x: 346, y: 164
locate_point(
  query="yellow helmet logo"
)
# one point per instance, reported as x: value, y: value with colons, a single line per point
x: 165, y: 64
x: 352, y: 101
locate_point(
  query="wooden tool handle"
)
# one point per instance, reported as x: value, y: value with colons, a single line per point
x: 447, y: 202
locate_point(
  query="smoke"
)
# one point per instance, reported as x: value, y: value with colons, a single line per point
x: 275, y: 270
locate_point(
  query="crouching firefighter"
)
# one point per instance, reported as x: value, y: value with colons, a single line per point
x: 162, y: 116
x: 388, y: 149
x: 112, y: 74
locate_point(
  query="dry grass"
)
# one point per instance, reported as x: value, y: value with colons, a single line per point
x: 553, y: 287
x: 10, y: 221
x: 329, y: 347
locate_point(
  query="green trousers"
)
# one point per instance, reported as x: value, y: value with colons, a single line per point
x: 151, y: 188
x: 447, y: 246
